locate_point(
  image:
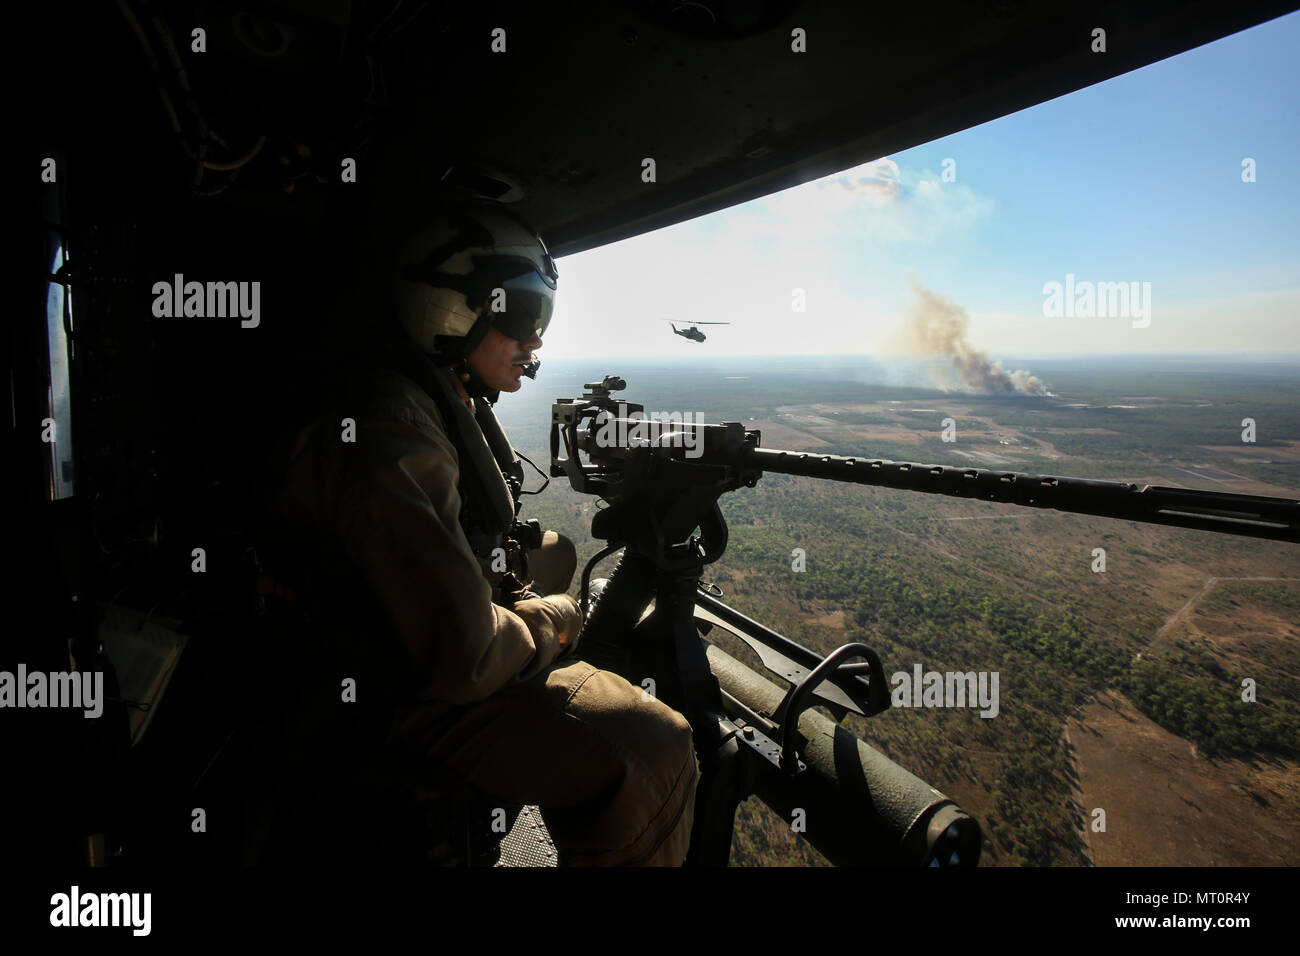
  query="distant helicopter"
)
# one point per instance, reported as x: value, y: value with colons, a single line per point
x: 693, y: 333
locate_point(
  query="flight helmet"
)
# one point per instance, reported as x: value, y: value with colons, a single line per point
x: 449, y: 271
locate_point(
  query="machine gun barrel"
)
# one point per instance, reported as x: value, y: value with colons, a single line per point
x: 1252, y: 515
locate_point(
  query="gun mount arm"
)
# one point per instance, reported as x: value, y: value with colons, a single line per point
x: 861, y: 808
x: 844, y: 690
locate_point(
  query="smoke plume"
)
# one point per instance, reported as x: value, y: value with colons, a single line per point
x: 935, y: 327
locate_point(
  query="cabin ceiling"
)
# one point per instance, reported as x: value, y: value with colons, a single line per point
x: 562, y: 120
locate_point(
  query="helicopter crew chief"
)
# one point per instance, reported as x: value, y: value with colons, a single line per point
x: 418, y: 503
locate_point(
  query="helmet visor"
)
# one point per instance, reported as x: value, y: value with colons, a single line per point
x: 529, y: 302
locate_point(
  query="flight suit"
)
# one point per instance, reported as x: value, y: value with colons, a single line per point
x: 494, y: 693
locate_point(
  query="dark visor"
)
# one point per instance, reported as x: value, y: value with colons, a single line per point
x: 529, y: 302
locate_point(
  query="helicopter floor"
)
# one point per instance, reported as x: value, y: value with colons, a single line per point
x: 528, y: 842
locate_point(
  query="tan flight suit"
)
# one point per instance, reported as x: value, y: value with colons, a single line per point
x: 613, y: 769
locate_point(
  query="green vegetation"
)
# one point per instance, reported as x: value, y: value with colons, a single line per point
x: 1209, y: 713
x: 862, y: 418
x: 1283, y: 599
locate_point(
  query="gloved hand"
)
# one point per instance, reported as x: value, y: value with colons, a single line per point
x: 571, y: 631
x: 514, y: 591
x: 555, y: 623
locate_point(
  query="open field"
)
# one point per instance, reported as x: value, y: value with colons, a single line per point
x: 1167, y: 806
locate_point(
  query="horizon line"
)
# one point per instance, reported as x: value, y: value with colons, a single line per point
x: 878, y: 356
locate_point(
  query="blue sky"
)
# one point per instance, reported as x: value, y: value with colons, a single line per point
x: 1136, y: 180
